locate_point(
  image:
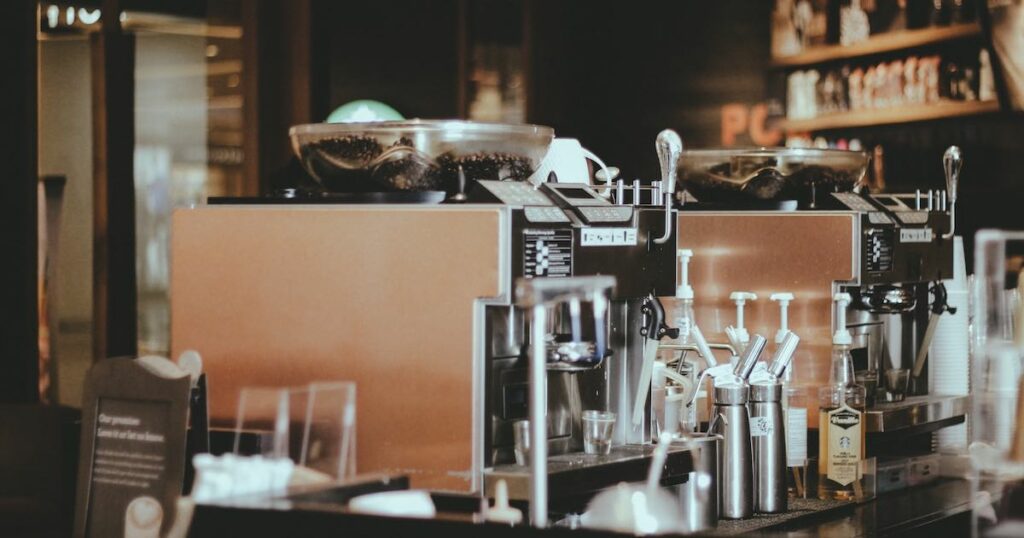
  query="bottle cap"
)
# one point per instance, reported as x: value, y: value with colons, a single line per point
x: 842, y: 336
x: 501, y: 512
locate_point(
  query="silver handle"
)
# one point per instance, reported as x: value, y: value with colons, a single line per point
x: 669, y: 147
x: 952, y: 162
x: 750, y: 355
x: 668, y: 221
x: 784, y: 354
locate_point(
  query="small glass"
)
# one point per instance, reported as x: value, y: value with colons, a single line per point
x: 896, y: 380
x: 597, y: 431
x: 868, y: 378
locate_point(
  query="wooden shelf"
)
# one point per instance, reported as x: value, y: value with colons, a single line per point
x: 881, y: 43
x: 883, y: 116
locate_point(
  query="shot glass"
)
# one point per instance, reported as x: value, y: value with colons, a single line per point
x: 597, y: 431
x: 896, y: 380
x: 521, y: 437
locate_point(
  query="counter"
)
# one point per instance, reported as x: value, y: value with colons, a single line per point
x: 938, y: 509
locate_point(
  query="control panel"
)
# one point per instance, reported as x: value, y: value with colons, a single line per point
x: 899, y: 242
x: 518, y: 193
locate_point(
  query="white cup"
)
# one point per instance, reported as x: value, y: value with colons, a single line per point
x: 568, y: 160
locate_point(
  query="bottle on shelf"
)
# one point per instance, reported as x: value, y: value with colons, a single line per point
x: 841, y: 419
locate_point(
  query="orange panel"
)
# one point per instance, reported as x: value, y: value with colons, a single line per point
x: 380, y: 295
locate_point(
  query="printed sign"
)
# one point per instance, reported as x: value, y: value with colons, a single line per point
x: 132, y: 458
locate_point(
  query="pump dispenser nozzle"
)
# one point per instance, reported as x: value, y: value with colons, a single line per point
x: 740, y: 332
x: 783, y: 300
x: 842, y: 336
x: 684, y: 290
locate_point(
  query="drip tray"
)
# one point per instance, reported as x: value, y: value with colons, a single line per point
x: 919, y: 412
x: 573, y: 474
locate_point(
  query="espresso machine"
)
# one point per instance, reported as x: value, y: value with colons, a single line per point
x: 890, y: 251
x: 415, y: 304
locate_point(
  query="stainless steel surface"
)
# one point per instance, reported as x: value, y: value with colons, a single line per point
x: 914, y: 411
x: 952, y: 162
x: 576, y: 473
x: 538, y: 400
x: 699, y: 495
x: 460, y: 195
x: 709, y: 357
x: 736, y: 487
x: 669, y: 147
x: 624, y: 369
x: 887, y: 299
x: 750, y: 356
x: 768, y: 448
x: 783, y: 355
x: 926, y: 343
x: 521, y: 437
x: 667, y: 234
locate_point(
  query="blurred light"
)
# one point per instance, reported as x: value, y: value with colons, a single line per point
x: 69, y: 16
x: 363, y: 110
x: 212, y: 50
x: 234, y: 81
x: 87, y: 17
x: 52, y: 16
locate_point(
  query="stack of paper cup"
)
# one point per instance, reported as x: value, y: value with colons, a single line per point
x: 949, y: 368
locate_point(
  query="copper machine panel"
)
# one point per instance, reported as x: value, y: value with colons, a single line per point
x: 339, y: 307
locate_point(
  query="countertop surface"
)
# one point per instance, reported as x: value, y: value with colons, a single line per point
x: 941, y: 508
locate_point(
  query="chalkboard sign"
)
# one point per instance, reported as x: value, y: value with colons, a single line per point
x: 132, y: 459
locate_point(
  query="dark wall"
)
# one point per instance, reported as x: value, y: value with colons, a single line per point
x: 614, y: 74
x: 401, y: 52
x: 19, y: 322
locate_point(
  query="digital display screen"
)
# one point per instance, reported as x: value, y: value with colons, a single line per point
x: 575, y: 193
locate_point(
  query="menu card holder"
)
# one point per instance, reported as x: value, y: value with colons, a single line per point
x: 132, y: 453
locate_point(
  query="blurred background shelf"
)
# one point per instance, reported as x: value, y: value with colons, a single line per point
x: 892, y: 115
x: 882, y: 43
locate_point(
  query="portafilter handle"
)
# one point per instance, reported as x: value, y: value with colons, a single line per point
x: 669, y: 147
x: 952, y: 162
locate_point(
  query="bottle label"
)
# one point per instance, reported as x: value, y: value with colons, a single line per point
x: 844, y: 445
x: 761, y: 426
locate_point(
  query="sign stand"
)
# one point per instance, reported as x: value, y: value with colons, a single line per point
x: 132, y: 455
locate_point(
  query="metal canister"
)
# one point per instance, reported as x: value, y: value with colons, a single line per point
x: 698, y: 496
x: 768, y: 439
x: 730, y: 420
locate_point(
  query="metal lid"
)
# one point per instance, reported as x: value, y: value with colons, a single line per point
x: 730, y: 395
x: 766, y: 392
